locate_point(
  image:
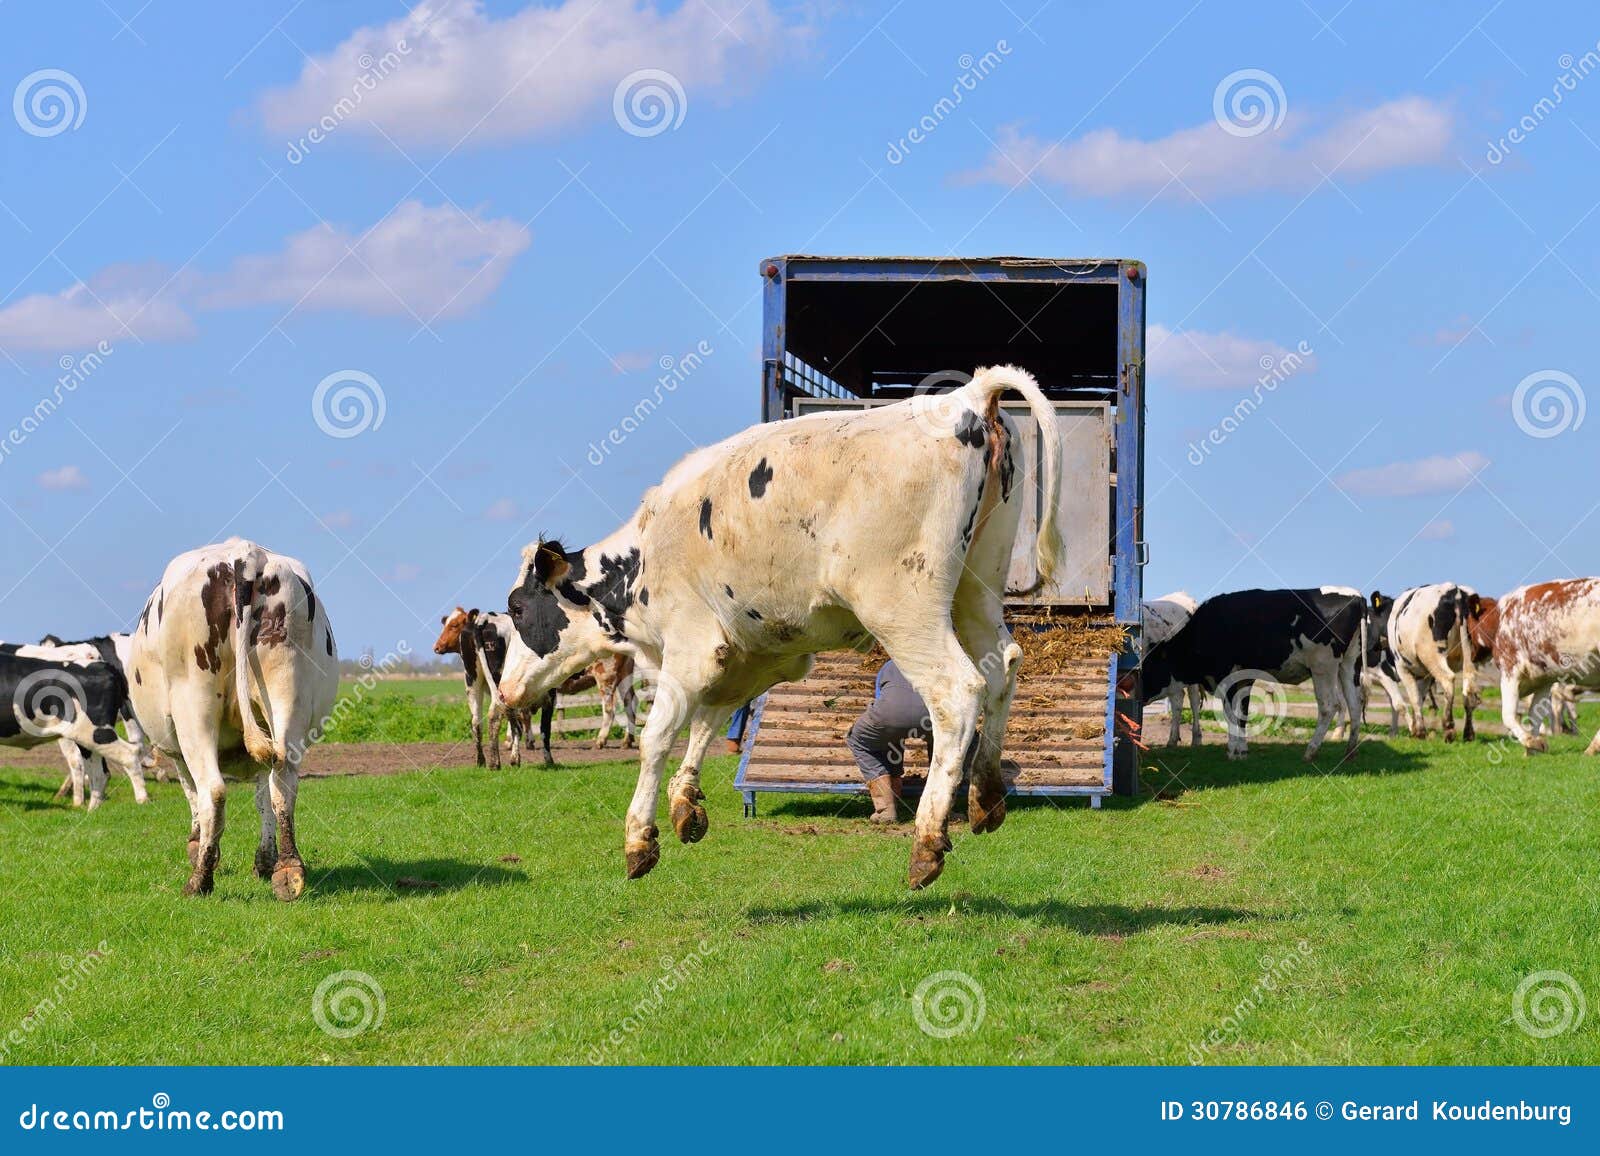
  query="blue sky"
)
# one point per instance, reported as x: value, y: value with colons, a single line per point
x: 480, y: 237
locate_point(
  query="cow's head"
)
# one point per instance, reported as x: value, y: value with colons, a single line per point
x: 449, y: 640
x: 554, y: 631
x: 1380, y: 607
x: 1155, y: 672
x: 1483, y: 627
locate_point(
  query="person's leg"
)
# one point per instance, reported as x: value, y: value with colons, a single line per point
x: 736, y: 728
x: 879, y: 753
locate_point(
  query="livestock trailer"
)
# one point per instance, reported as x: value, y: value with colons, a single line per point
x: 856, y: 332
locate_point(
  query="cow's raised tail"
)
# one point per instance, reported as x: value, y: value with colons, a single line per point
x: 981, y: 391
x: 246, y: 577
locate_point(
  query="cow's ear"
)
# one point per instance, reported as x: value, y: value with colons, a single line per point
x: 443, y: 618
x: 550, y: 563
x: 1377, y: 600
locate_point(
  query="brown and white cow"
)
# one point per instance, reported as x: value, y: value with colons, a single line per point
x: 1546, y: 633
x: 612, y: 679
x: 817, y: 533
x: 232, y: 630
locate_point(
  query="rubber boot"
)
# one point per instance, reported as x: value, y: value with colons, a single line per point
x: 897, y: 788
x: 882, y: 792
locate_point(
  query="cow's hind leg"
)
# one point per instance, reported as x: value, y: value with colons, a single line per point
x: 1510, y: 695
x: 630, y: 711
x: 686, y: 801
x: 997, y: 657
x: 289, y: 873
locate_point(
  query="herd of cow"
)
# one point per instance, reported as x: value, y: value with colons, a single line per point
x: 1541, y: 641
x: 822, y: 532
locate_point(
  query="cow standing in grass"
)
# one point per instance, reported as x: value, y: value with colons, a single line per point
x: 1544, y: 634
x: 1428, y: 631
x: 1285, y: 636
x: 817, y: 533
x: 233, y: 630
x: 1161, y: 619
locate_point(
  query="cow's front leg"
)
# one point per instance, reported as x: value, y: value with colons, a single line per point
x: 267, y: 848
x: 630, y: 712
x: 608, y: 716
x: 641, y: 846
x: 1197, y: 698
x: 497, y: 714
x: 547, y: 709
x: 1236, y: 713
x: 1510, y: 695
x: 1175, y: 714
x: 475, y: 708
x: 685, y: 800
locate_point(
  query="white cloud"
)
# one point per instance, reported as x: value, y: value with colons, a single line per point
x: 1437, y: 531
x: 1443, y: 474
x: 119, y: 302
x: 1401, y: 133
x: 1199, y: 360
x: 428, y: 261
x: 451, y: 71
x: 502, y: 510
x: 65, y: 478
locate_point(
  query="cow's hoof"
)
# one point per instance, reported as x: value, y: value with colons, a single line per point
x: 266, y: 860
x: 549, y: 762
x: 689, y: 818
x: 1449, y: 736
x: 199, y: 884
x: 516, y: 760
x: 640, y: 859
x: 927, y: 861
x: 627, y: 743
x: 194, y: 852
x: 481, y: 763
x: 986, y: 809
x: 289, y: 880
x: 1535, y: 746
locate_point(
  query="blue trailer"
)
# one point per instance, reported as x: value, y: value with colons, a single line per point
x: 852, y: 332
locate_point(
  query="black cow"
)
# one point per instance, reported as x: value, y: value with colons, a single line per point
x: 45, y: 699
x: 1279, y: 636
x: 114, y: 649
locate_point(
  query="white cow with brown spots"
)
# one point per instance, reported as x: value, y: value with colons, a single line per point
x: 817, y: 533
x: 1547, y: 633
x: 232, y: 632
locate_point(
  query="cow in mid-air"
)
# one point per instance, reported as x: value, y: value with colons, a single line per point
x: 816, y: 533
x: 233, y: 667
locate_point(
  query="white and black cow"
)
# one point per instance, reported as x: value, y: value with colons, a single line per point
x: 66, y: 695
x: 816, y: 533
x: 1162, y: 618
x: 233, y: 630
x: 1428, y: 636
x: 115, y: 649
x: 481, y: 640
x: 1544, y: 634
x: 1285, y: 636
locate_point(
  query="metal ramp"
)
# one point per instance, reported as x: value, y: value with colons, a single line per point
x: 1058, y: 742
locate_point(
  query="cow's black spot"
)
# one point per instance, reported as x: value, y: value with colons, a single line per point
x: 161, y: 604
x: 705, y: 517
x: 105, y: 734
x: 759, y: 477
x: 970, y: 430
x: 728, y: 590
x: 311, y: 599
x: 329, y: 635
x: 613, y: 590
x: 137, y: 678
x: 754, y: 613
x: 972, y: 518
x: 644, y: 596
x: 537, y: 615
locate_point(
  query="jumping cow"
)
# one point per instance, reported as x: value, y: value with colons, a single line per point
x: 817, y: 533
x: 1284, y: 636
x: 1162, y: 618
x: 1544, y: 634
x: 1428, y: 634
x: 234, y: 629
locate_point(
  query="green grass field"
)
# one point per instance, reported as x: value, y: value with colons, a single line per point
x: 1262, y: 911
x: 419, y: 710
